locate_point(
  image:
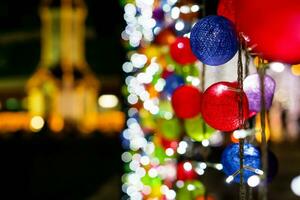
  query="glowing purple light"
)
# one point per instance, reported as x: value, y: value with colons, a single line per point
x: 253, y: 91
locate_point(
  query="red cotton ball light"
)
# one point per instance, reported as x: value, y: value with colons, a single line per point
x: 227, y: 8
x: 181, y: 51
x: 186, y: 101
x: 185, y: 171
x: 220, y: 107
x: 272, y: 27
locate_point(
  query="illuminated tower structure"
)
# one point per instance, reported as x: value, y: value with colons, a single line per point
x: 63, y: 90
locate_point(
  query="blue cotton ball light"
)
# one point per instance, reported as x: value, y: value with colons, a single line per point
x: 213, y: 40
x: 231, y: 160
x: 172, y: 82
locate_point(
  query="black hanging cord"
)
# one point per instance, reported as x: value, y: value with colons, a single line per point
x: 264, y: 146
x: 241, y: 119
x: 247, y: 62
x: 203, y: 88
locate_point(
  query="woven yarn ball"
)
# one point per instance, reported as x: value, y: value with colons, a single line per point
x: 214, y: 40
x: 169, y: 129
x: 220, y: 106
x: 186, y: 101
x: 181, y: 51
x: 273, y: 28
x: 252, y: 89
x: 231, y: 160
x: 197, y: 129
x: 172, y: 82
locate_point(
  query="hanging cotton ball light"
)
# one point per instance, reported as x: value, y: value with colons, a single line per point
x: 173, y: 81
x: 220, y: 106
x: 169, y: 129
x: 273, y: 34
x: 213, y: 40
x: 195, y: 130
x: 231, y: 160
x: 252, y: 89
x: 186, y: 101
x: 227, y: 8
x: 181, y: 51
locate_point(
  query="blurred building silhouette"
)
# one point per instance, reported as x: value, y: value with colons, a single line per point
x: 63, y: 91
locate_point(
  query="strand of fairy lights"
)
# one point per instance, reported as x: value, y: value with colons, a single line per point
x: 139, y: 28
x: 139, y: 21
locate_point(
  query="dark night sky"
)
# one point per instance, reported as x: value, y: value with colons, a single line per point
x: 103, y: 51
x: 42, y: 167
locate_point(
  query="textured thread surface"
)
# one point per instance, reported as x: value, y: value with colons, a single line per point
x: 213, y: 40
x: 231, y: 160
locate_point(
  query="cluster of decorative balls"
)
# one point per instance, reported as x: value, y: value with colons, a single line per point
x: 214, y: 42
x: 218, y: 105
x: 214, y: 39
x: 219, y: 108
x: 275, y: 34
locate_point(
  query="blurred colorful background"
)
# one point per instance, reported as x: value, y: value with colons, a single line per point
x: 60, y: 99
x: 86, y: 111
